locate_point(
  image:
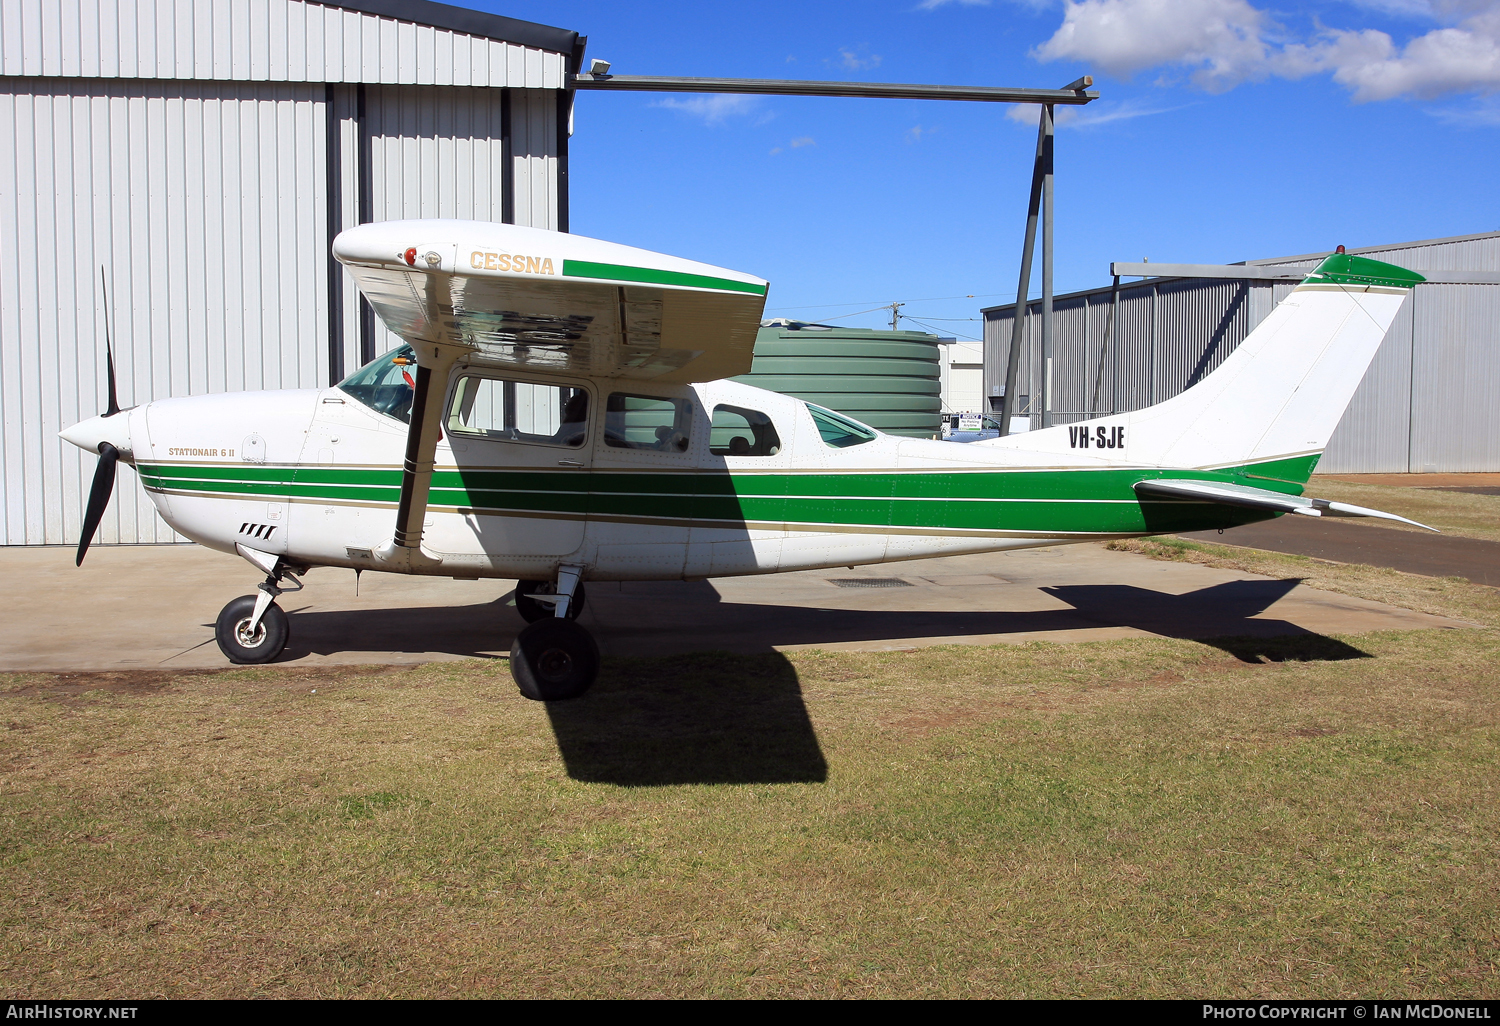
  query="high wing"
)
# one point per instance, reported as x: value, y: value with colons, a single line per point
x: 546, y: 301
x: 505, y: 295
x: 1260, y: 498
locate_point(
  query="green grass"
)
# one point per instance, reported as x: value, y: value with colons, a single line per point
x: 1134, y: 818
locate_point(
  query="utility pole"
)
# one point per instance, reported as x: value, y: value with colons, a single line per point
x: 896, y: 315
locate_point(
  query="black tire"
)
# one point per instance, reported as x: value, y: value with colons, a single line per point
x: 554, y: 660
x: 531, y: 610
x: 267, y: 642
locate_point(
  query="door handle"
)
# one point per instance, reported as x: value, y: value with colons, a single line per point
x: 570, y: 463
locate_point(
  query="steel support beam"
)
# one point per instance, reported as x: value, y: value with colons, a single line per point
x: 1120, y: 269
x: 1075, y: 93
x: 1048, y: 131
x: 1023, y: 288
x: 780, y: 87
x: 1256, y: 273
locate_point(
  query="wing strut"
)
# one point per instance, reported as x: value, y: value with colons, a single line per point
x: 405, y: 547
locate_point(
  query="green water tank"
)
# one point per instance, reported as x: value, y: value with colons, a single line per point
x: 890, y: 380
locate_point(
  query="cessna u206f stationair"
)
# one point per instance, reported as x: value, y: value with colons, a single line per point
x: 559, y: 414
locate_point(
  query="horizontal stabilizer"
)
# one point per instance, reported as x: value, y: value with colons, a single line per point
x: 1261, y: 498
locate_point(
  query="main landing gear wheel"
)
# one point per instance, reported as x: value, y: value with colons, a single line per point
x: 531, y: 610
x: 242, y: 645
x: 554, y: 659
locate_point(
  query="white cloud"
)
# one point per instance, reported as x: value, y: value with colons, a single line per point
x: 1099, y: 112
x: 1226, y: 42
x: 713, y: 109
x: 1457, y: 59
x: 1399, y: 8
x: 1486, y: 113
x: 917, y: 133
x: 1219, y: 39
x: 796, y: 144
x: 852, y: 60
x: 929, y: 5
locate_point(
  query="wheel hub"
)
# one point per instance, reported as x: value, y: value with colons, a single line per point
x: 246, y: 637
x: 554, y: 664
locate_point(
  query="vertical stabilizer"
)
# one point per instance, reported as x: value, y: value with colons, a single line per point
x: 1279, y: 395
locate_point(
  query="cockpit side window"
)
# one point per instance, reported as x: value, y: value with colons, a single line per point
x: 741, y: 432
x: 519, y: 411
x: 839, y: 432
x: 386, y: 384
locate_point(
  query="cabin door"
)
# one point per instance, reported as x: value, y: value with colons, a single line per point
x: 514, y: 463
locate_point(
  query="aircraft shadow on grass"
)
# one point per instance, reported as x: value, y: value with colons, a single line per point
x: 715, y: 717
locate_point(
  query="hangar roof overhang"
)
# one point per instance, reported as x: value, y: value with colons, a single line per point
x: 1277, y: 269
x: 470, y: 22
x: 385, y: 42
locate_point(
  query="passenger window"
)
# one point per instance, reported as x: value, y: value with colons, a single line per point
x: 519, y: 411
x: 646, y: 422
x: 741, y: 432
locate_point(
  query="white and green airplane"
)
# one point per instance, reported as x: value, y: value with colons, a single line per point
x: 559, y: 414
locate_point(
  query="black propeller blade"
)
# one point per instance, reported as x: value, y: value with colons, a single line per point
x: 109, y: 351
x: 104, y: 473
x: 104, y: 486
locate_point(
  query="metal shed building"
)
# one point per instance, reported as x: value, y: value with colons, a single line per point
x: 204, y: 153
x: 1429, y: 403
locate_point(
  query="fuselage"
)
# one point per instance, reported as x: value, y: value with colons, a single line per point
x: 633, y: 482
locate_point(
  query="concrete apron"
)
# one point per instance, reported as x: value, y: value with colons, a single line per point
x: 154, y: 607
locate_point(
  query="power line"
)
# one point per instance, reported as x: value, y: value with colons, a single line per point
x: 936, y: 330
x: 933, y: 299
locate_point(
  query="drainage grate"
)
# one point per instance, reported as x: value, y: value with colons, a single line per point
x: 869, y: 582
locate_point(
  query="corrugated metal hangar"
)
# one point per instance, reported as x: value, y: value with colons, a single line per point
x: 205, y: 153
x: 1427, y: 405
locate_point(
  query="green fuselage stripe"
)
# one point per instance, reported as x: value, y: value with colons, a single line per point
x: 1027, y: 501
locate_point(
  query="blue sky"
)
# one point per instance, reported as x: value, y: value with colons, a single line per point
x: 1226, y: 130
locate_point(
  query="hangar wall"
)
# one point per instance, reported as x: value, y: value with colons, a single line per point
x: 205, y: 157
x: 1425, y: 406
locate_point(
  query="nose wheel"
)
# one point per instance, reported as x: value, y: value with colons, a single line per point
x: 553, y: 659
x: 253, y: 628
x: 246, y: 640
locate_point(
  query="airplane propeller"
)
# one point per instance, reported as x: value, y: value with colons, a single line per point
x: 104, y: 473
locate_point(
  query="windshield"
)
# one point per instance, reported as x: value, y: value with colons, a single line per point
x: 386, y: 384
x: 839, y: 432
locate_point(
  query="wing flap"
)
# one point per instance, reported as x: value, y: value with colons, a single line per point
x: 1260, y: 498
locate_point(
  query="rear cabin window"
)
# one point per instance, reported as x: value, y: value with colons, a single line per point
x: 740, y: 432
x: 519, y: 411
x: 647, y: 422
x: 839, y: 432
